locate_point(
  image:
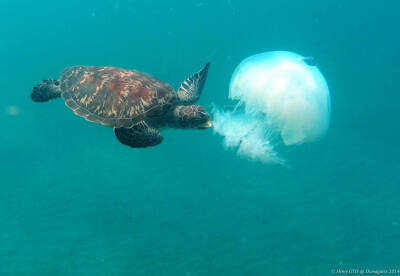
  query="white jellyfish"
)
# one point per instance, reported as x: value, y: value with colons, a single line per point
x: 283, y: 93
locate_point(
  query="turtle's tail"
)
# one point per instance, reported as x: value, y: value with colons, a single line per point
x: 46, y: 90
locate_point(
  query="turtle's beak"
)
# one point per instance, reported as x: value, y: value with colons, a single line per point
x: 206, y: 125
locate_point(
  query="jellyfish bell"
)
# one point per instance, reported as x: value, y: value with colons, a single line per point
x: 282, y: 99
x: 292, y: 95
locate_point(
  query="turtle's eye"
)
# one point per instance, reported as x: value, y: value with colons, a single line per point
x: 201, y: 119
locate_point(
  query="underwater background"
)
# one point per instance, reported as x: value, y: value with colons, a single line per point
x: 74, y: 201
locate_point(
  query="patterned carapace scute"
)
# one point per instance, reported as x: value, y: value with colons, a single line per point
x: 113, y: 96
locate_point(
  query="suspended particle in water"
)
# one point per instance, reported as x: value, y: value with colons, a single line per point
x: 232, y: 7
x: 310, y: 61
x: 12, y: 110
x: 116, y: 7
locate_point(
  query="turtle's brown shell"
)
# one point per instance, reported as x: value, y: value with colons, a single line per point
x: 114, y: 96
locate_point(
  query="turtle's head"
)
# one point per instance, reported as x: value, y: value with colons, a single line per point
x: 190, y: 116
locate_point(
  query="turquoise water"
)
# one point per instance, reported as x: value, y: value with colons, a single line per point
x: 76, y: 202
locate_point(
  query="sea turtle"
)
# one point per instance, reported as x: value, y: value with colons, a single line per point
x: 134, y: 103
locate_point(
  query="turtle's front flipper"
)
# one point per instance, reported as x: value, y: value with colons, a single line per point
x: 190, y: 90
x: 46, y: 90
x: 138, y: 136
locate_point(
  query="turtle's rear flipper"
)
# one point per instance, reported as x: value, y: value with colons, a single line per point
x: 138, y: 136
x: 46, y: 90
x: 190, y: 90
